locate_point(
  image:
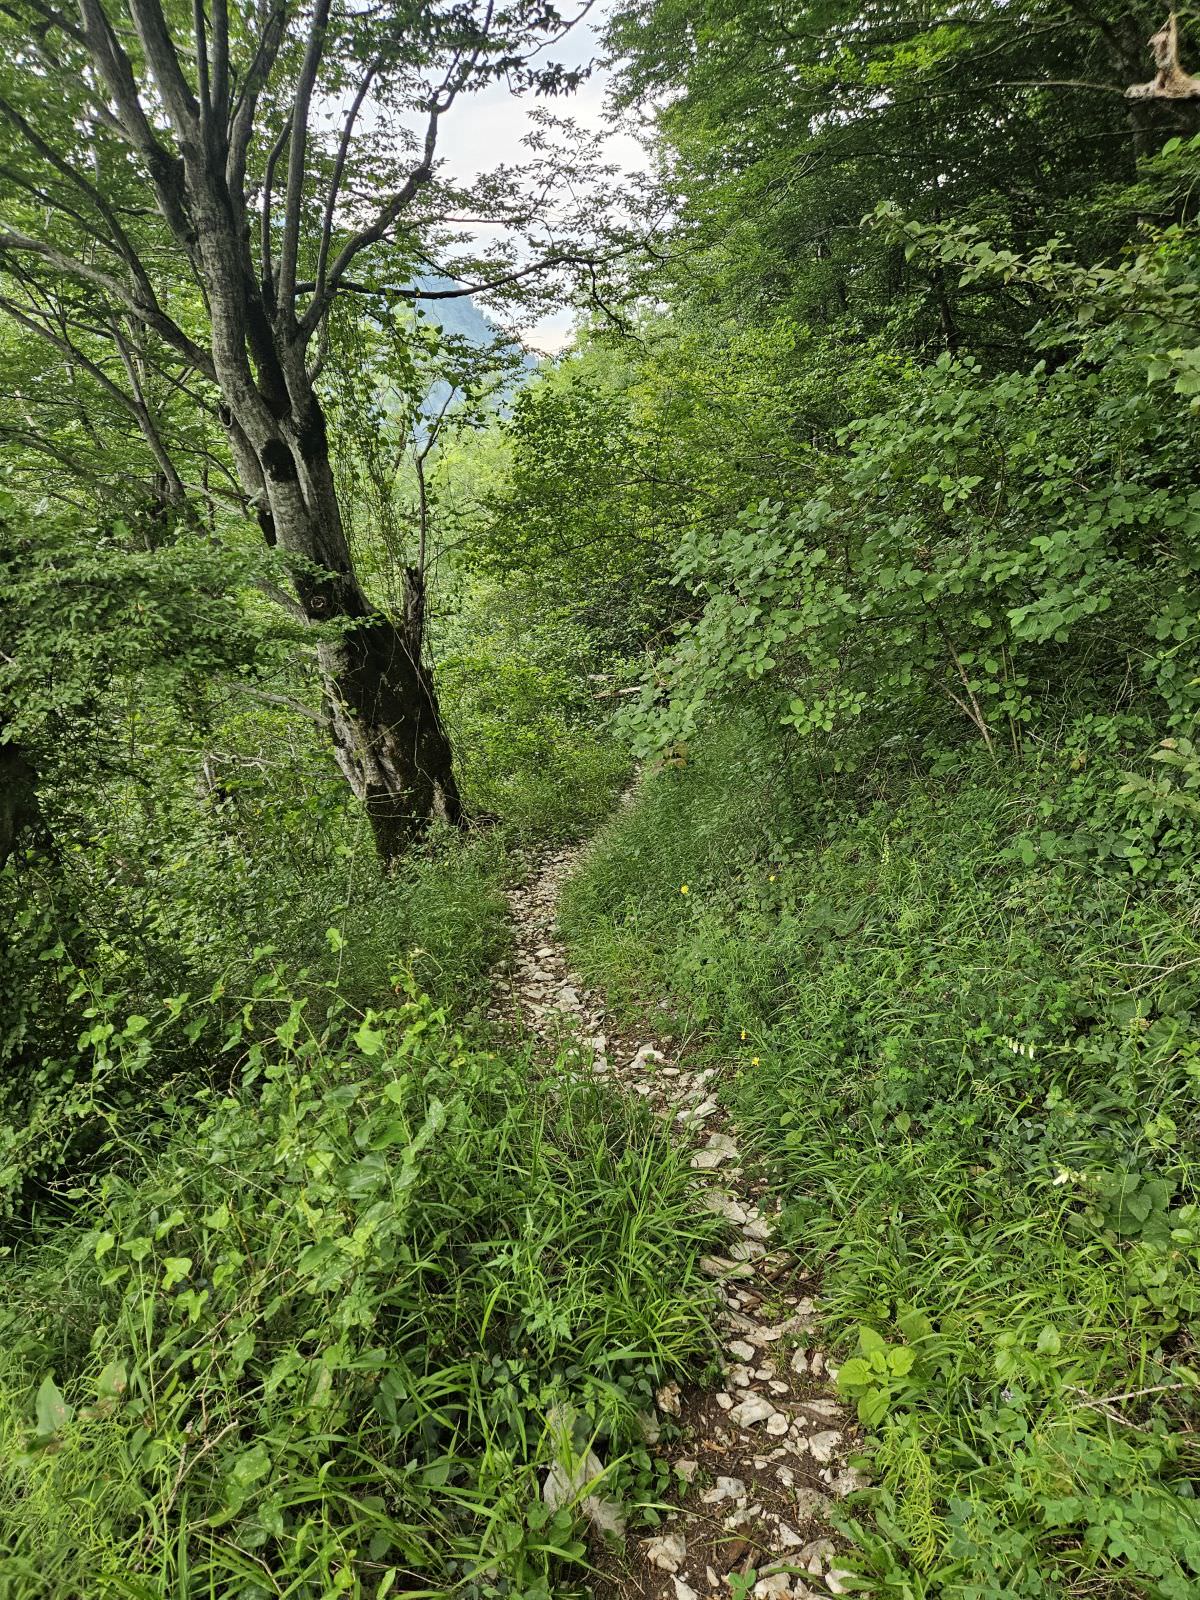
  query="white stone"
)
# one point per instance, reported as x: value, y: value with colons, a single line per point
x: 686, y: 1468
x: 823, y: 1445
x: 696, y: 1113
x: 564, y: 1487
x: 775, y: 1583
x: 667, y: 1553
x: 815, y: 1557
x: 684, y: 1591
x: 777, y: 1425
x: 646, y: 1054
x: 722, y: 1267
x: 742, y: 1350
x: 724, y: 1205
x: 724, y: 1489
x: 720, y: 1147
x: 810, y: 1503
x: 849, y: 1481
x: 755, y: 1408
x: 668, y: 1399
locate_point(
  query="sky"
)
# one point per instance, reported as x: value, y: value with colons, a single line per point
x: 486, y: 131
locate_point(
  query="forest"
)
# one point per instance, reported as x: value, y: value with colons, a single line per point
x: 599, y: 800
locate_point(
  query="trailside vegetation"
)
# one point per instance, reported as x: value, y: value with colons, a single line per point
x: 858, y: 522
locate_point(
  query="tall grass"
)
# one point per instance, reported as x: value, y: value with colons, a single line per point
x: 972, y: 1080
x: 314, y: 1347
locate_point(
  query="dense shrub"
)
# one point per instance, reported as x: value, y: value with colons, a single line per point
x: 317, y: 1345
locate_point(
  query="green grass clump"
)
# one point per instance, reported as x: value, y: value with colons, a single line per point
x: 314, y: 1346
x: 971, y: 1070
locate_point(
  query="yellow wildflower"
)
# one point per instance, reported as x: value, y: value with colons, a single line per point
x: 683, y: 888
x: 754, y: 1062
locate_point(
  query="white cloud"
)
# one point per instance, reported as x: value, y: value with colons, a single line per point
x: 486, y: 131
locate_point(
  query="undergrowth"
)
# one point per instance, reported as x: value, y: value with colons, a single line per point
x: 322, y: 1343
x: 969, y: 1061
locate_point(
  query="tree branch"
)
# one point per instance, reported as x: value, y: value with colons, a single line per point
x: 241, y: 125
x: 151, y: 316
x: 339, y: 165
x: 297, y: 150
x: 177, y: 96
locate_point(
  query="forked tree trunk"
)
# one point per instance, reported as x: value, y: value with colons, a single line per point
x: 389, y: 738
x: 388, y: 734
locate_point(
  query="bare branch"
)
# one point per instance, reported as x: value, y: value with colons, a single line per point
x: 120, y: 239
x: 268, y: 194
x: 145, y: 416
x: 416, y: 180
x: 242, y: 121
x: 174, y: 88
x: 219, y: 65
x: 339, y: 166
x: 297, y: 150
x: 151, y: 316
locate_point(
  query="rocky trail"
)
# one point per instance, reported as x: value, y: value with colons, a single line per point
x: 764, y: 1455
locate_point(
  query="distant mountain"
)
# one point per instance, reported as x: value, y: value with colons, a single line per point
x: 461, y: 318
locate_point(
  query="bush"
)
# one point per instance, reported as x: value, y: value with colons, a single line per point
x: 315, y: 1346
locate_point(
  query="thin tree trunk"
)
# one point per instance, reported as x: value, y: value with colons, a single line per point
x: 20, y: 812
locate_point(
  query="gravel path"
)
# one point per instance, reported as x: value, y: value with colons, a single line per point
x: 764, y: 1455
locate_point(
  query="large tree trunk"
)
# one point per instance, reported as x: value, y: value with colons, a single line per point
x: 389, y: 738
x: 388, y: 734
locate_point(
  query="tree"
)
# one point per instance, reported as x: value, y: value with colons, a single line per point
x: 181, y: 204
x: 783, y: 126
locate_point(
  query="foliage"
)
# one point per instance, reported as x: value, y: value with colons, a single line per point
x: 315, y: 1344
x: 993, y: 547
x: 971, y: 1076
x: 194, y: 826
x: 777, y: 131
x: 630, y: 448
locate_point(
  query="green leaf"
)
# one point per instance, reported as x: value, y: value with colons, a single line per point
x: 52, y: 1411
x: 368, y: 1039
x: 871, y: 1343
x: 872, y: 1407
x: 113, y: 1381
x: 176, y: 1267
x: 853, y: 1374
